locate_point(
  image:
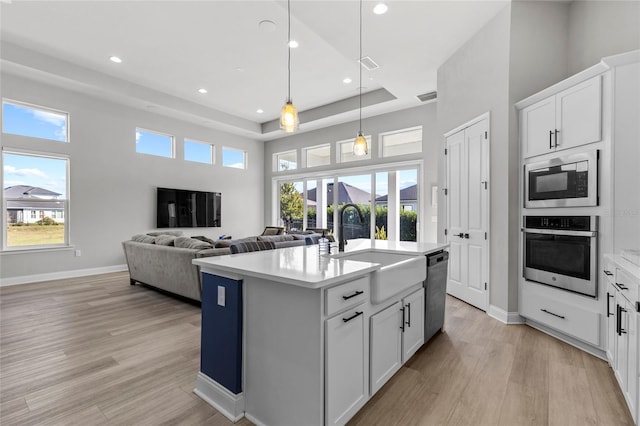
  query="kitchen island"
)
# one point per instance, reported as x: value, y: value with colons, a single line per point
x: 293, y: 337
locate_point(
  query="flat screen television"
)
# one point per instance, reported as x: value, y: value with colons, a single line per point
x: 180, y: 208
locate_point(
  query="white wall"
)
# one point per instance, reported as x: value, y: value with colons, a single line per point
x: 601, y: 28
x: 113, y: 188
x: 424, y: 115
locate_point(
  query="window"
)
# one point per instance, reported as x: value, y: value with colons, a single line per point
x: 285, y: 161
x: 345, y: 151
x: 36, y: 122
x: 402, y: 142
x: 154, y: 143
x: 317, y: 155
x: 199, y: 152
x: 234, y: 158
x: 35, y: 199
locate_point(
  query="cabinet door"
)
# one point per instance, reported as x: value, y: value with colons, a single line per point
x: 578, y: 114
x: 632, y: 369
x: 413, y: 336
x: 611, y: 325
x: 345, y: 390
x: 622, y: 342
x: 538, y: 126
x: 386, y: 336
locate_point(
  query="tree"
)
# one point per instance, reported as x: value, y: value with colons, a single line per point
x: 290, y: 202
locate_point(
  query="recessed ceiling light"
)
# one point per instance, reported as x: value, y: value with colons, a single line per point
x: 347, y: 80
x: 259, y: 111
x: 380, y: 9
x: 115, y: 59
x: 239, y: 69
x: 293, y: 44
x: 203, y: 91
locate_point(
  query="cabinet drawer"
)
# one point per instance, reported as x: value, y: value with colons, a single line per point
x: 627, y: 285
x: 346, y: 295
x: 572, y: 320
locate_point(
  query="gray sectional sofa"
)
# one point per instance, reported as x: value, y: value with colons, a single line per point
x: 164, y: 259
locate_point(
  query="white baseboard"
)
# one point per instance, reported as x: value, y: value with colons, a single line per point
x: 229, y: 404
x: 504, y: 316
x: 27, y: 279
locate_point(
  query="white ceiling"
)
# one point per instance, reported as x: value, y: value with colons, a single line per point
x: 172, y: 48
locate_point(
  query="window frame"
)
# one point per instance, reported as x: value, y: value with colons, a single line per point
x: 381, y: 137
x: 245, y: 157
x: 39, y: 108
x: 305, y: 155
x: 173, y: 143
x: 212, y: 148
x: 66, y: 203
x: 339, y: 144
x: 276, y: 160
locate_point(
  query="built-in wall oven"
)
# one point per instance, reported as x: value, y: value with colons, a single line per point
x: 568, y: 181
x: 561, y: 251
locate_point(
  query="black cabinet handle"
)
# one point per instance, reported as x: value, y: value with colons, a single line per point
x: 556, y: 137
x: 550, y: 136
x: 622, y: 330
x: 608, y: 273
x: 618, y: 320
x: 409, y: 314
x: 357, y: 293
x: 622, y: 286
x: 609, y: 296
x: 551, y: 313
x: 357, y: 314
x: 402, y: 322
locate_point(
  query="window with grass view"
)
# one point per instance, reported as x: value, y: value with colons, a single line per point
x: 35, y: 200
x: 36, y: 122
x: 199, y: 152
x: 154, y: 143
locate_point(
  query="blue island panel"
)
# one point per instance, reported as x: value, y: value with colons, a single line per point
x: 221, y: 339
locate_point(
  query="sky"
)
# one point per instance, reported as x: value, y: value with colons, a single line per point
x: 47, y: 173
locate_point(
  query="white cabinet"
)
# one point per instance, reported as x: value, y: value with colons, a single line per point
x: 611, y: 323
x: 397, y: 332
x: 570, y: 118
x: 345, y: 390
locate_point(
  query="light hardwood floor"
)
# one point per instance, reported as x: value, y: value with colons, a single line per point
x: 95, y: 350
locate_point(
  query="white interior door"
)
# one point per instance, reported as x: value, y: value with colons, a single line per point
x: 467, y: 163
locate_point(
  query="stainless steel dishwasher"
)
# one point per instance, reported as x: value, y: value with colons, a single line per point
x: 435, y: 290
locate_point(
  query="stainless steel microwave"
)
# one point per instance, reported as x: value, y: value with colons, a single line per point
x: 568, y: 181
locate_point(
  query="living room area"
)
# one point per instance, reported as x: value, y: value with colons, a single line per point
x: 89, y: 141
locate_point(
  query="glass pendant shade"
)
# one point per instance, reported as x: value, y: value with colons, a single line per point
x: 360, y: 145
x: 289, y: 117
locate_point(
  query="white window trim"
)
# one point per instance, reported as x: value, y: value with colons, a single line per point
x: 305, y: 150
x: 67, y: 204
x: 173, y: 143
x: 394, y: 132
x: 276, y: 163
x: 245, y: 156
x: 338, y: 145
x: 43, y: 108
x: 212, y: 146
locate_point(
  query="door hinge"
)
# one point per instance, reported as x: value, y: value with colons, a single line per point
x: 485, y: 286
x: 485, y: 134
x: 445, y: 151
x: 485, y: 235
x: 445, y: 191
x: 445, y: 232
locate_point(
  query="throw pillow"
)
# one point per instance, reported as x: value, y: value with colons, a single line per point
x: 227, y: 243
x: 190, y: 243
x: 275, y: 238
x: 165, y: 240
x: 205, y: 239
x: 141, y: 238
x: 156, y: 233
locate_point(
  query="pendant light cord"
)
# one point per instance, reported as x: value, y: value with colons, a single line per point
x: 360, y: 66
x: 289, y: 50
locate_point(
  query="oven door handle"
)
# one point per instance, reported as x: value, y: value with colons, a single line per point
x: 561, y: 232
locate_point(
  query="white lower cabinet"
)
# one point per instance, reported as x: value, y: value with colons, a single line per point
x: 345, y: 390
x: 397, y: 332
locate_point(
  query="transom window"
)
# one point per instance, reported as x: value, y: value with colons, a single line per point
x: 234, y: 158
x: 345, y: 151
x: 154, y: 143
x: 199, y: 152
x: 317, y: 155
x: 286, y: 161
x: 401, y: 142
x: 33, y: 121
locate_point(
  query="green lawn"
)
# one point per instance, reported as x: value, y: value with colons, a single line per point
x: 32, y: 235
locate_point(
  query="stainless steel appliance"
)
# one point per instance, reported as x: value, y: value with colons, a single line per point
x: 561, y: 251
x: 568, y: 181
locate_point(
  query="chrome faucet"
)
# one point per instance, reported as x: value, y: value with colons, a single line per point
x: 343, y: 240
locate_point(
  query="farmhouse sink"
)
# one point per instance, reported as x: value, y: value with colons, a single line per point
x: 399, y: 271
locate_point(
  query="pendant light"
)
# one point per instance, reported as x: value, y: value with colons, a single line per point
x: 360, y: 144
x: 289, y: 115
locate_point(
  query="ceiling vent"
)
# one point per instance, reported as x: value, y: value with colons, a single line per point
x: 369, y: 63
x: 427, y: 96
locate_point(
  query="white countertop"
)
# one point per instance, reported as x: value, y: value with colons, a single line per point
x: 631, y: 268
x: 304, y: 266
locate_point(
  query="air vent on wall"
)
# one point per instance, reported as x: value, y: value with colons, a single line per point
x: 427, y: 96
x: 369, y: 63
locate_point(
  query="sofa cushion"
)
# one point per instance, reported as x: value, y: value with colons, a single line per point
x: 227, y: 243
x: 191, y: 243
x: 142, y: 238
x: 213, y: 252
x: 205, y: 239
x: 275, y: 238
x: 165, y: 240
x: 156, y: 233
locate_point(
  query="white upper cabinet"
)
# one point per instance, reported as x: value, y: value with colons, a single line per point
x: 570, y: 118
